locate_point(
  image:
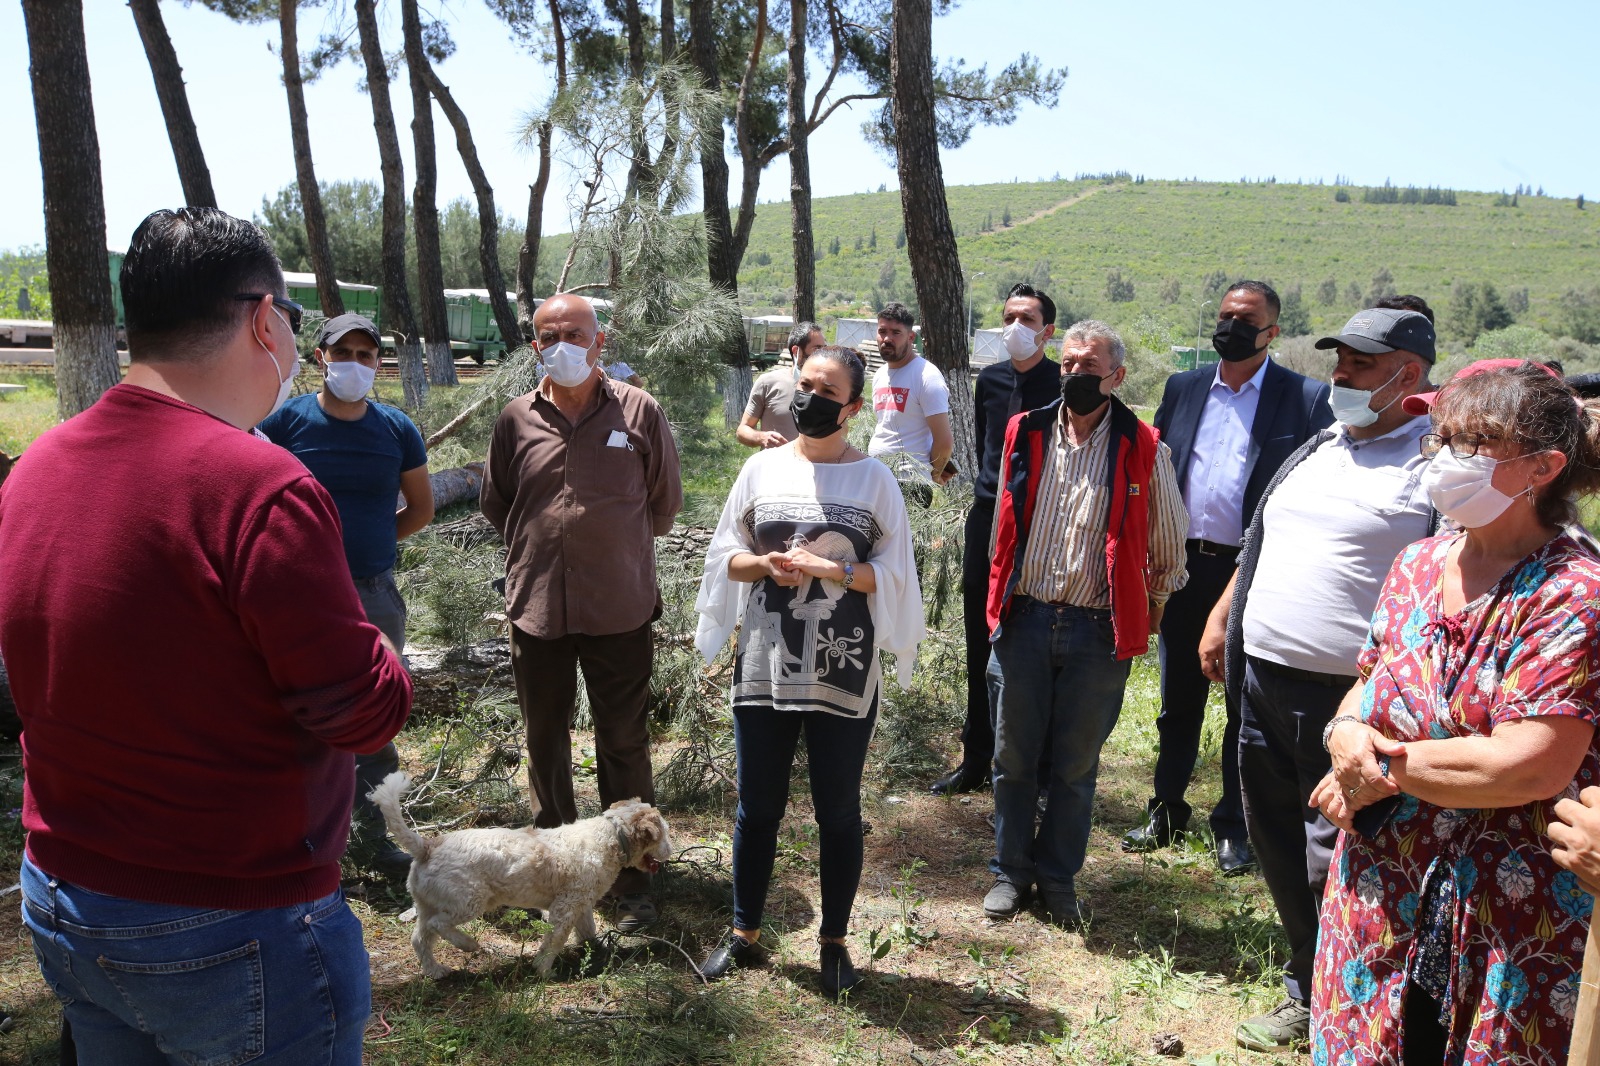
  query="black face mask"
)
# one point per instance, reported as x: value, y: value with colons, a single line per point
x: 815, y: 415
x: 1235, y: 340
x: 1081, y: 393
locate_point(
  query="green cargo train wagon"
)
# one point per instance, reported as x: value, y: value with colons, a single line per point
x: 358, y: 299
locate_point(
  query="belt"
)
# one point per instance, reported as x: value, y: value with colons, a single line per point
x: 1343, y: 681
x: 1211, y: 547
x: 1020, y: 601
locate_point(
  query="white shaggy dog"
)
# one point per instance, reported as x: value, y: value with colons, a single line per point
x: 563, y: 871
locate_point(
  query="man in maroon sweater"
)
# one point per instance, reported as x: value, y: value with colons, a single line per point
x: 194, y: 673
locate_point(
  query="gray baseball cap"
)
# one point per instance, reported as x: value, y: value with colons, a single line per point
x: 1380, y: 329
x: 339, y: 325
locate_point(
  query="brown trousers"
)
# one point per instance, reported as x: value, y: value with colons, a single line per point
x: 616, y: 674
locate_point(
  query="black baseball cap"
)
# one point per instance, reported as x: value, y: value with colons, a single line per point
x: 1381, y: 329
x: 339, y: 325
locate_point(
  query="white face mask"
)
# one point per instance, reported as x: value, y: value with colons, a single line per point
x: 286, y: 384
x: 1462, y: 491
x: 1353, y: 407
x: 567, y: 364
x: 1020, y: 341
x: 349, y: 380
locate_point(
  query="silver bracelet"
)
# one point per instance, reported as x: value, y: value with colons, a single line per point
x: 1327, y: 730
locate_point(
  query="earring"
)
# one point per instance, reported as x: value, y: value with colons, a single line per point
x: 1529, y: 494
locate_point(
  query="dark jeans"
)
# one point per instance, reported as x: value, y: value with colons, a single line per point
x: 1183, y: 700
x: 386, y: 609
x: 836, y: 753
x: 1280, y: 762
x: 616, y: 674
x: 1059, y: 689
x: 977, y: 736
x: 150, y: 984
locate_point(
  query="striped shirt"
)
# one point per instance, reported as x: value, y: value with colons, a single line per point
x: 1065, y: 561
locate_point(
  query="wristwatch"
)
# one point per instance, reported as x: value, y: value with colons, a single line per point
x: 849, y: 575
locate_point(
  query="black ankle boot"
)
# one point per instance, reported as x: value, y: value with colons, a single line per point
x: 838, y: 974
x: 734, y: 950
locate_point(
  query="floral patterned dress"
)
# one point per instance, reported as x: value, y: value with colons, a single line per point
x: 1513, y: 923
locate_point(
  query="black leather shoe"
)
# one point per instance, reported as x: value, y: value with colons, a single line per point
x: 838, y: 975
x: 734, y: 950
x: 1235, y: 857
x: 1065, y: 910
x: 1157, y: 831
x: 957, y: 780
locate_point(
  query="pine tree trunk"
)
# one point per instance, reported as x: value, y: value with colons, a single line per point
x: 168, y: 75
x: 722, y: 265
x: 398, y: 317
x: 805, y: 267
x: 425, y: 207
x: 305, y: 174
x: 488, y: 217
x: 528, y: 254
x: 74, y: 204
x: 930, y: 238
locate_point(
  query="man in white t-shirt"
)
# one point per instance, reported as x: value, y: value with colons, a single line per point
x: 620, y: 371
x: 910, y: 400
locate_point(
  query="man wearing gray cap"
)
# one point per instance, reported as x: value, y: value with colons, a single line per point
x: 365, y: 454
x: 1287, y: 631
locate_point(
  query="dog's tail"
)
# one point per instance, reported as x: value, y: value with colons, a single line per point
x: 386, y: 797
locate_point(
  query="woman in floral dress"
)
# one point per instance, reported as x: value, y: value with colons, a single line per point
x: 1448, y: 933
x: 813, y: 554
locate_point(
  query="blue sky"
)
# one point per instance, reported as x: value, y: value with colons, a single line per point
x: 1471, y: 95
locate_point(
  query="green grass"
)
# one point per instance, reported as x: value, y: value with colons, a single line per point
x: 25, y: 415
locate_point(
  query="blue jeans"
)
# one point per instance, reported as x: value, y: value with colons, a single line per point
x: 386, y: 609
x: 153, y: 984
x: 836, y: 752
x: 1059, y: 690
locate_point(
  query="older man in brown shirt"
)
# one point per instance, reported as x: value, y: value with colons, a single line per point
x: 582, y: 476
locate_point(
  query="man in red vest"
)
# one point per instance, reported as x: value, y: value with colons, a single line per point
x: 1088, y: 546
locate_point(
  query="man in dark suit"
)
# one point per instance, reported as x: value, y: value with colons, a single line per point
x: 1230, y: 426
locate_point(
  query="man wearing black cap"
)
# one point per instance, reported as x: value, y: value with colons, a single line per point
x: 365, y: 454
x: 1296, y: 614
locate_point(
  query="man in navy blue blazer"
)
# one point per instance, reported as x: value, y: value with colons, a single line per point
x: 1230, y: 426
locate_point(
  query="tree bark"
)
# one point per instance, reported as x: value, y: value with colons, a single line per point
x: 669, y: 32
x: 305, y: 174
x: 401, y: 322
x: 805, y: 267
x: 74, y: 204
x: 723, y: 266
x: 752, y: 161
x: 488, y: 217
x: 425, y: 207
x: 930, y: 238
x: 192, y: 172
x: 528, y: 254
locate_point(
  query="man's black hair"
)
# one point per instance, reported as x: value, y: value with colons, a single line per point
x: 801, y: 334
x: 1406, y: 303
x: 898, y: 312
x: 181, y: 276
x: 1047, y: 306
x: 1263, y: 290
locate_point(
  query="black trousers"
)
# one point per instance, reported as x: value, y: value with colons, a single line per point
x: 616, y: 673
x: 1184, y: 690
x: 1281, y: 760
x: 977, y: 736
